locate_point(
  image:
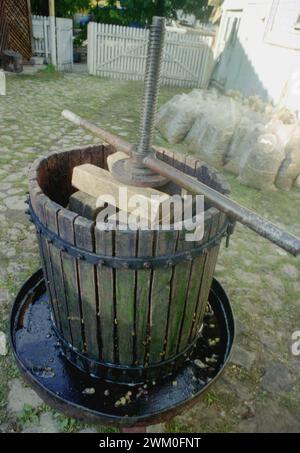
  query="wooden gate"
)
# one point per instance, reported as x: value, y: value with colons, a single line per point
x: 64, y: 42
x: 41, y: 37
x: 43, y: 41
x: 120, y: 53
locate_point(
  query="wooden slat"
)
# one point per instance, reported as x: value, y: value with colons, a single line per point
x: 179, y: 290
x: 106, y: 288
x: 160, y: 296
x: 84, y: 231
x: 125, y: 243
x: 38, y: 200
x: 51, y: 211
x: 66, y: 221
x: 193, y: 292
x: 143, y: 294
x: 210, y: 263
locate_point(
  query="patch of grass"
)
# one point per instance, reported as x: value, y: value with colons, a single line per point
x: 66, y: 424
x: 29, y: 416
x: 210, y: 398
x: 290, y: 404
x: 174, y: 426
x: 219, y: 426
x: 49, y: 69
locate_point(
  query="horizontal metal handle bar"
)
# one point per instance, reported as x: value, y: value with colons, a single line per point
x: 237, y: 212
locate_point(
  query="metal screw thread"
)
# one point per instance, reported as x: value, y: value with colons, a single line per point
x: 152, y: 77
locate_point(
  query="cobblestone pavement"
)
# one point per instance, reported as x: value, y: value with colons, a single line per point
x: 259, y: 392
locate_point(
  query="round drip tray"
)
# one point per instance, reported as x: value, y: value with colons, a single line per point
x: 77, y: 394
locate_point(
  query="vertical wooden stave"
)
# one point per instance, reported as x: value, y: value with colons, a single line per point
x: 51, y: 211
x: 195, y: 281
x: 160, y: 296
x: 66, y: 221
x: 37, y: 201
x: 143, y: 295
x: 125, y: 246
x: 106, y: 290
x: 84, y: 239
x: 210, y: 263
x: 180, y: 284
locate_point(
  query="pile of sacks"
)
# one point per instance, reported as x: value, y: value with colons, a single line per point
x: 252, y: 139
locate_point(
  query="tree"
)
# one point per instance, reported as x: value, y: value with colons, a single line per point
x: 63, y: 8
x: 199, y: 8
x: 142, y: 11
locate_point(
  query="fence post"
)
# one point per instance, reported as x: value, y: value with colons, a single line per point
x: 91, y: 50
x: 45, y: 38
x: 53, y: 40
x: 52, y: 32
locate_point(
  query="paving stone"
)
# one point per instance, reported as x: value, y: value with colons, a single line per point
x: 247, y: 277
x: 277, y: 378
x: 272, y: 418
x: 275, y: 283
x: 4, y: 296
x: 16, y: 203
x: 19, y: 395
x: 88, y: 431
x: 275, y: 301
x: 3, y: 344
x: 242, y: 357
x: 290, y: 270
x: 159, y: 428
x: 47, y: 424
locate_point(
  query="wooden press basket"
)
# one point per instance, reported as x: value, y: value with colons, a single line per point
x: 127, y: 306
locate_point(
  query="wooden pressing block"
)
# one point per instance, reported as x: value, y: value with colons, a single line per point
x: 113, y: 158
x: 101, y: 184
x: 84, y: 205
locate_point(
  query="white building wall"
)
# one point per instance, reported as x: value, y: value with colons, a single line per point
x: 265, y: 56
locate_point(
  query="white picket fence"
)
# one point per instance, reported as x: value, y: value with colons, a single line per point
x: 120, y: 53
x: 41, y: 36
x: 57, y: 38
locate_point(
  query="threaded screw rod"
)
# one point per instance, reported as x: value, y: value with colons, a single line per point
x: 151, y: 88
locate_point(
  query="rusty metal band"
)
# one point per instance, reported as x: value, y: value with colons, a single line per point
x: 117, y: 262
x: 124, y: 373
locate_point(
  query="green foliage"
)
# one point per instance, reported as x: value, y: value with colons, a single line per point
x: 81, y: 36
x: 199, y: 8
x: 66, y: 424
x: 63, y: 8
x: 49, y: 69
x: 29, y: 416
x: 132, y: 11
x: 67, y: 8
x: 210, y: 398
x: 141, y: 12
